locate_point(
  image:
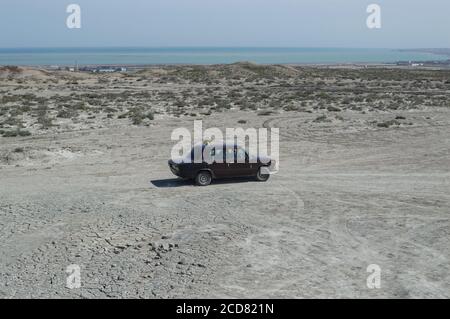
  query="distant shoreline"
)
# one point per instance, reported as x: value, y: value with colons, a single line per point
x: 432, y: 63
x: 137, y: 67
x: 437, y: 51
x: 146, y: 57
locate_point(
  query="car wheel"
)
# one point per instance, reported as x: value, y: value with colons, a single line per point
x: 262, y: 176
x: 203, y: 179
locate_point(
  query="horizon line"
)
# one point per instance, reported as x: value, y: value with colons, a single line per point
x: 221, y: 47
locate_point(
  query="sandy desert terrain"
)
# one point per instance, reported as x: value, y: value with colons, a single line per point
x: 364, y: 179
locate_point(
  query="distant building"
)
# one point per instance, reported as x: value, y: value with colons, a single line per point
x: 106, y: 70
x: 409, y: 63
x: 109, y: 69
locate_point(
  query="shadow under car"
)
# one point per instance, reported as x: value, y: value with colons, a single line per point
x: 179, y: 182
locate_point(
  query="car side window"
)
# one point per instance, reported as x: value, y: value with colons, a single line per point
x: 230, y: 155
x: 218, y: 155
x: 196, y: 154
x: 240, y: 155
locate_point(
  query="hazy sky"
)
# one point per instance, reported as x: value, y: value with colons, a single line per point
x: 282, y: 23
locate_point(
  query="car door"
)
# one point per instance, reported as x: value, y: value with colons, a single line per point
x: 243, y: 165
x: 231, y: 167
x: 218, y: 165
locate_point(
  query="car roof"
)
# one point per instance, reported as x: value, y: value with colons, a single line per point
x: 219, y: 144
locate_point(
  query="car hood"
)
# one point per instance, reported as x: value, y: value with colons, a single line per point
x: 179, y: 160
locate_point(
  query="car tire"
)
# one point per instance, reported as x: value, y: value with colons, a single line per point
x: 203, y: 178
x: 261, y: 177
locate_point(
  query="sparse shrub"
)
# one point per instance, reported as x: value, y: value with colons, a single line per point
x: 12, y: 121
x: 15, y: 133
x: 323, y: 95
x: 388, y: 124
x: 150, y: 116
x: 333, y: 109
x: 137, y: 116
x: 23, y: 133
x: 80, y: 106
x: 10, y: 134
x: 346, y: 101
x: 66, y: 114
x: 265, y: 113
x: 320, y: 118
x: 44, y: 120
x: 110, y: 110
x: 290, y: 107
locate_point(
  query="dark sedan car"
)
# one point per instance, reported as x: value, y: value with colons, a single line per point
x: 224, y: 161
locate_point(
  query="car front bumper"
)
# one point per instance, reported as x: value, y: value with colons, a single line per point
x: 175, y: 168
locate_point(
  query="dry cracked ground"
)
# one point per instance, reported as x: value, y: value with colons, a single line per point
x: 359, y: 186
